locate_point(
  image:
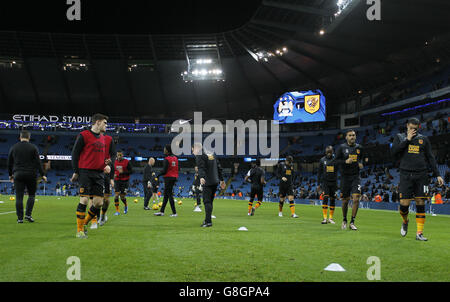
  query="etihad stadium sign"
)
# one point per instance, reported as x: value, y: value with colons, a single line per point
x: 51, y: 118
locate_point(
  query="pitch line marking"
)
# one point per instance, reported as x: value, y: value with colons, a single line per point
x: 7, y: 212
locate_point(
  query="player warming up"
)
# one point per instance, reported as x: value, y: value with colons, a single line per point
x: 197, y: 191
x: 256, y: 177
x: 109, y: 177
x: 170, y: 175
x: 109, y: 182
x: 88, y: 161
x: 414, y: 152
x: 122, y: 171
x: 349, y: 158
x: 327, y: 177
x: 147, y: 183
x: 285, y: 173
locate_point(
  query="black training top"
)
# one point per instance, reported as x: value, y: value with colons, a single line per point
x: 414, y: 155
x: 209, y: 168
x: 327, y: 170
x: 256, y: 175
x: 147, y: 175
x: 285, y: 170
x: 24, y: 157
x: 344, y: 152
x: 196, y: 181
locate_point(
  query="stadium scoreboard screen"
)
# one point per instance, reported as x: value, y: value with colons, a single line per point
x: 300, y: 107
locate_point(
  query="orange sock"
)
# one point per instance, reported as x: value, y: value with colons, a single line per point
x: 325, y: 211
x: 250, y: 206
x: 292, y: 207
x: 80, y: 220
x: 94, y: 220
x: 116, y: 204
x: 331, y: 212
x: 420, y: 221
x: 258, y: 204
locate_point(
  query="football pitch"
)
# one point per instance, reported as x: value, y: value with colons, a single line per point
x: 139, y: 246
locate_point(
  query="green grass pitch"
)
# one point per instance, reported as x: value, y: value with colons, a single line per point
x: 142, y: 247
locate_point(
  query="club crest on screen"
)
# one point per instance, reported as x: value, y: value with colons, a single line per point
x: 312, y: 103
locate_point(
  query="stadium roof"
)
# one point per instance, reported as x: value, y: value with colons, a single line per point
x: 352, y: 55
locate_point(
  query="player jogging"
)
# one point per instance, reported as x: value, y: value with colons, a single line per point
x: 349, y: 157
x: 108, y: 183
x: 414, y: 152
x: 327, y: 177
x: 197, y: 191
x: 88, y: 161
x: 147, y: 183
x: 109, y: 178
x: 170, y: 175
x: 123, y: 169
x: 256, y: 177
x: 285, y: 174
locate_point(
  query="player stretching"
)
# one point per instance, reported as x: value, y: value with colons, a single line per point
x: 88, y: 160
x: 197, y: 191
x: 414, y: 151
x: 349, y: 157
x: 256, y: 177
x: 327, y: 178
x: 284, y: 172
x: 123, y: 169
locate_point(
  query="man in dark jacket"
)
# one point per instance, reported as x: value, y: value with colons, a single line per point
x: 147, y: 182
x: 23, y: 163
x: 210, y: 173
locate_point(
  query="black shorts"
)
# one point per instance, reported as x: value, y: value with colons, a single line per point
x: 121, y: 186
x: 413, y: 185
x: 350, y: 184
x: 107, y: 185
x: 92, y: 183
x: 286, y: 190
x: 329, y: 189
x: 257, y: 192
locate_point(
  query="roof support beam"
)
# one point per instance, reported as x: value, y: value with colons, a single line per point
x: 299, y: 8
x: 255, y: 92
x: 283, y: 26
x: 127, y: 75
x: 164, y: 103
x: 61, y: 72
x: 27, y: 68
x: 94, y: 73
x: 263, y: 65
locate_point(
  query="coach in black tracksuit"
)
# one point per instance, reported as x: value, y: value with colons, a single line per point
x: 23, y: 163
x: 210, y: 173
